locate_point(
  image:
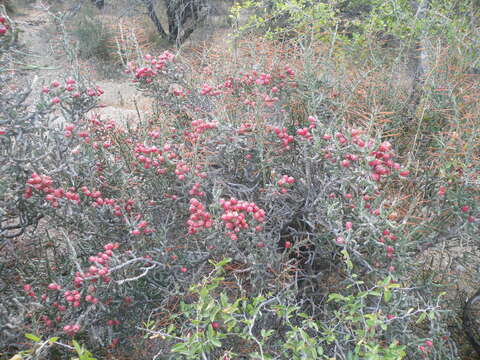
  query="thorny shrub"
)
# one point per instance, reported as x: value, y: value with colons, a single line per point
x: 305, y: 206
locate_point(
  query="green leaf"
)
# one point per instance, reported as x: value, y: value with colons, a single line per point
x: 33, y: 337
x: 180, y: 347
x: 53, y: 339
x: 393, y: 286
x: 336, y: 296
x: 223, y: 300
x: 387, y: 295
x: 77, y: 347
x: 224, y: 262
x: 170, y: 329
x: 266, y: 333
x: 421, y: 318
x: 215, y: 342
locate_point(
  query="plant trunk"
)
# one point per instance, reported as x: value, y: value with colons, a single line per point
x: 183, y: 17
x: 153, y: 16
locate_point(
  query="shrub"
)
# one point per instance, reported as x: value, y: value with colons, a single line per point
x: 242, y: 204
x: 95, y: 39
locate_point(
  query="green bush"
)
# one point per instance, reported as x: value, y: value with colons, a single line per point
x: 94, y: 38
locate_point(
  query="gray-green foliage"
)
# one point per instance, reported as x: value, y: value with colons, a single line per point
x: 94, y: 38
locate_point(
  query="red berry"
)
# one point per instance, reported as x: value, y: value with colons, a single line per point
x: 215, y: 325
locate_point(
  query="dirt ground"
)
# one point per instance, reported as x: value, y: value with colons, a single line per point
x: 46, y: 60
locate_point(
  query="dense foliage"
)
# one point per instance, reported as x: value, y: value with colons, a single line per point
x: 273, y: 204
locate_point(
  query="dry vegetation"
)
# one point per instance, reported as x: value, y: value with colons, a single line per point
x: 273, y: 188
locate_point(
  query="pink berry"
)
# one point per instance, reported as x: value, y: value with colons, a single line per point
x: 53, y: 286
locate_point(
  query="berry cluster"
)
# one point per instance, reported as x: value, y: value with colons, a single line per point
x: 235, y: 213
x: 283, y: 135
x: 383, y: 163
x: 263, y: 79
x: 199, y: 217
x: 148, y: 73
x: 141, y: 227
x: 181, y: 169
x: 43, y: 183
x: 3, y: 25
x: 305, y: 132
x: 199, y: 127
x: 285, y: 181
x: 57, y: 93
x: 196, y: 190
x: 347, y: 161
x: 71, y: 330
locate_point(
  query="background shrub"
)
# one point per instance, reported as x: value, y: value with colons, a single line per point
x: 95, y: 38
